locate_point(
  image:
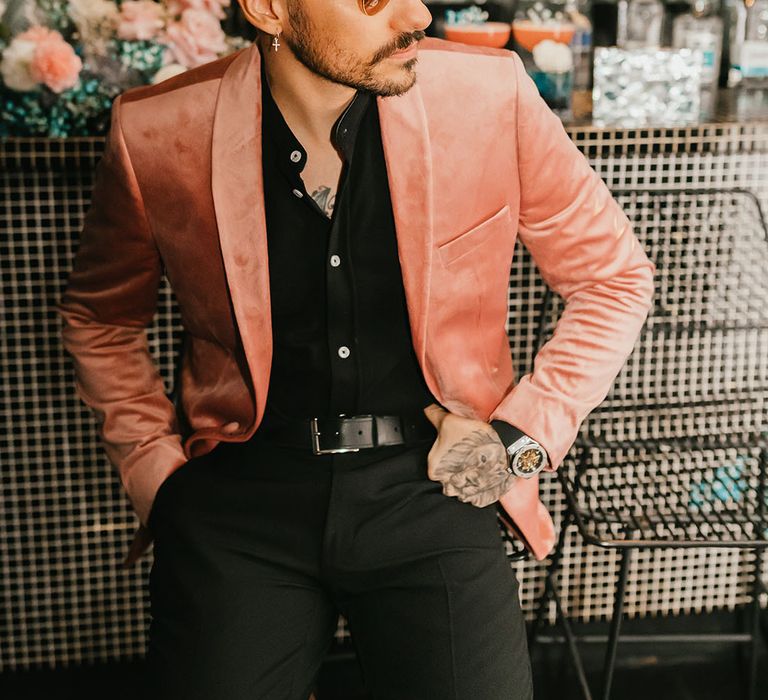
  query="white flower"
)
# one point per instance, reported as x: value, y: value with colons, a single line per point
x: 14, y: 65
x: 552, y: 56
x: 90, y: 11
x: 168, y: 71
x: 96, y: 21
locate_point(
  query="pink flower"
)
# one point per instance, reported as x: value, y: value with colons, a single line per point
x: 215, y: 7
x: 195, y: 39
x: 140, y: 19
x: 38, y: 33
x: 54, y: 61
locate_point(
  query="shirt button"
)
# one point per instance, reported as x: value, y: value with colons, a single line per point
x: 295, y: 156
x: 335, y: 260
x: 298, y: 193
x: 343, y: 351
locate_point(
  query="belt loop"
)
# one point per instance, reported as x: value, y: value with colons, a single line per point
x: 405, y: 427
x: 374, y: 430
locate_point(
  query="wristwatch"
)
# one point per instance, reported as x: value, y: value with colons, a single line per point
x: 525, y: 456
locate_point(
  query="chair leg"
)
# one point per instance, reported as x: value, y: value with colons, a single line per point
x: 613, y: 638
x: 763, y: 615
x: 572, y: 648
x: 754, y: 631
x: 550, y: 591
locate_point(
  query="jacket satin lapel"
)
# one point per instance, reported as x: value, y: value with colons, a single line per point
x: 238, y: 198
x: 407, y: 152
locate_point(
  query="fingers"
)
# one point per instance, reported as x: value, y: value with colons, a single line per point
x: 141, y: 541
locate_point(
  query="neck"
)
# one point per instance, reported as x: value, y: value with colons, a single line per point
x: 309, y: 103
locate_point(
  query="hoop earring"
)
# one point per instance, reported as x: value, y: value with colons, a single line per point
x: 276, y: 40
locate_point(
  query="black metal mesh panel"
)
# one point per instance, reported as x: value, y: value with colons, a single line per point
x: 673, y: 453
x: 65, y: 523
x: 661, y: 493
x: 707, y: 332
x: 661, y: 581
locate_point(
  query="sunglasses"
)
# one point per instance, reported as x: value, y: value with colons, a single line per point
x: 371, y: 7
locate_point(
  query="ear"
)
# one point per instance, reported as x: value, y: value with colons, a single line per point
x: 266, y: 15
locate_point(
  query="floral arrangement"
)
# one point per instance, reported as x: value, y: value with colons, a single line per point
x: 63, y: 63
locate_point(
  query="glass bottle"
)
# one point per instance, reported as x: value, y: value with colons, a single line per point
x: 701, y: 29
x: 753, y: 57
x: 543, y: 35
x: 640, y: 23
x: 578, y: 12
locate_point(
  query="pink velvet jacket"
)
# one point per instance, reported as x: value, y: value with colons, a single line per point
x: 474, y: 158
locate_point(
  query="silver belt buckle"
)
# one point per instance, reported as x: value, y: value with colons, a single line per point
x: 316, y: 443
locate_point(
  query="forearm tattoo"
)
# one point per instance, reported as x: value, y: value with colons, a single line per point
x: 325, y: 199
x: 474, y: 469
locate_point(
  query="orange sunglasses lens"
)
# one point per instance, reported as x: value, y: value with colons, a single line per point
x: 371, y: 7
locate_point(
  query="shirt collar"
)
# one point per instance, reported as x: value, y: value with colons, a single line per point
x: 347, y: 126
x: 343, y: 133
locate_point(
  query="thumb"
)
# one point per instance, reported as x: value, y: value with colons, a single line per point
x: 142, y: 539
x: 436, y: 414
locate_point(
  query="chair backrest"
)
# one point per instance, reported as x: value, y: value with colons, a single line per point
x: 700, y: 364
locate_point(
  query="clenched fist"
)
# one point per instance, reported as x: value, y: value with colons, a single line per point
x: 468, y: 457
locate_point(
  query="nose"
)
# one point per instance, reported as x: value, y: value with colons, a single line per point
x: 426, y: 16
x: 414, y: 16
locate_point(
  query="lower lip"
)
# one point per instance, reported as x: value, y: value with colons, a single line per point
x: 410, y: 53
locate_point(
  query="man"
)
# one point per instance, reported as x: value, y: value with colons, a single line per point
x: 336, y: 209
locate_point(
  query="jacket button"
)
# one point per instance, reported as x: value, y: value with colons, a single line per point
x: 231, y: 427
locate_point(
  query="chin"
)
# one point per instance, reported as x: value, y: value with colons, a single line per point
x: 398, y: 85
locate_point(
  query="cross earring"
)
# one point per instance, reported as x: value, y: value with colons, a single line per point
x: 276, y: 41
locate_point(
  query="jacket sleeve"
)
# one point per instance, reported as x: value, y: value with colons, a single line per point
x: 110, y: 298
x: 586, y: 251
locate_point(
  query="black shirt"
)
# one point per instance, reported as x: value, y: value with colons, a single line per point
x: 341, y: 337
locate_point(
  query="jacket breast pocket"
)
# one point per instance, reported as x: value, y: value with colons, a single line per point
x: 469, y: 240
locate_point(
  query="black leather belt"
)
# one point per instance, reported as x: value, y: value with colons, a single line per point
x: 351, y: 433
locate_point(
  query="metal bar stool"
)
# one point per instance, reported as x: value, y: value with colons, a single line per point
x: 677, y: 454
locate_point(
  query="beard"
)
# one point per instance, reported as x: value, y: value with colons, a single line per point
x: 325, y: 59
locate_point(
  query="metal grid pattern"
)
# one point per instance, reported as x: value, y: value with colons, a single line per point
x: 698, y: 372
x: 64, y: 521
x: 706, y: 338
x: 706, y: 486
x: 661, y: 493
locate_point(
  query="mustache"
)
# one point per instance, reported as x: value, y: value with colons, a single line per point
x: 403, y: 43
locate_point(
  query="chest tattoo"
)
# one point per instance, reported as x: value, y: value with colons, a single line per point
x: 325, y: 198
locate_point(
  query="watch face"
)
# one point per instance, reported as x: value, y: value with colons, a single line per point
x: 528, y: 461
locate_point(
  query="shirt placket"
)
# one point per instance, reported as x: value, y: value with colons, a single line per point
x: 342, y: 334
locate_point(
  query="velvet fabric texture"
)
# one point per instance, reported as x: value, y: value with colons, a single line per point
x: 474, y: 158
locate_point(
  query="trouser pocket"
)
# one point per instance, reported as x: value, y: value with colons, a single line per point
x: 168, y: 485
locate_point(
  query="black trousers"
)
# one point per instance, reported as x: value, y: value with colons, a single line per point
x: 258, y: 548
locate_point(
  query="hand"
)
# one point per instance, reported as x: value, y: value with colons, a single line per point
x: 468, y: 457
x: 142, y: 538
